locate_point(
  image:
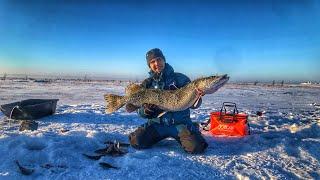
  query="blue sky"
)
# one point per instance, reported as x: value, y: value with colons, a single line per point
x: 249, y: 40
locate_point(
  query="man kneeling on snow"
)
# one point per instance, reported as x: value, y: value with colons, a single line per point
x: 177, y: 125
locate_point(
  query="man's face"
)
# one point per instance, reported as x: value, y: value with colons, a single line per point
x: 157, y: 65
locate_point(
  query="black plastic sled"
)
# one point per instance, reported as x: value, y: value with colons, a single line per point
x: 30, y: 109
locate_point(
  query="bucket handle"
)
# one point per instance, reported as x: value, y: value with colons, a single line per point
x: 15, y: 107
x: 229, y: 105
x: 234, y: 112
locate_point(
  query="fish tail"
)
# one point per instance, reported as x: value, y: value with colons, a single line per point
x: 114, y: 102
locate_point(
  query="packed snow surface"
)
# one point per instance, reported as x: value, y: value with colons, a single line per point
x: 284, y: 141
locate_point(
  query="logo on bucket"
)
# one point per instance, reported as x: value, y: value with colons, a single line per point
x: 224, y: 127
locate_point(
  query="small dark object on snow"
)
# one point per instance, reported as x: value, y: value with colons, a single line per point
x: 29, y: 109
x: 64, y: 130
x: 120, y: 143
x: 28, y: 125
x: 94, y: 157
x: 259, y: 113
x: 107, y: 165
x: 24, y: 170
x: 112, y: 150
x: 47, y: 166
x: 205, y: 125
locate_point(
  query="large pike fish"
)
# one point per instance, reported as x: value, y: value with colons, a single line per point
x: 167, y: 100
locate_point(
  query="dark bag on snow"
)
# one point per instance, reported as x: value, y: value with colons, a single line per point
x: 29, y: 109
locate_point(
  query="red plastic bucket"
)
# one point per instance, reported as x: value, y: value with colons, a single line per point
x: 229, y: 124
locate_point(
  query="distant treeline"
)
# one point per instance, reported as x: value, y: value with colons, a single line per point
x: 86, y: 78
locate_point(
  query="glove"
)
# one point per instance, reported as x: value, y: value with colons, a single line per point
x: 199, y: 94
x: 151, y: 110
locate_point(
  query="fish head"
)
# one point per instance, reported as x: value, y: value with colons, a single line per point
x: 211, y: 84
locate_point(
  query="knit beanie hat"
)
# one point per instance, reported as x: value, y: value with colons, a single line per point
x: 154, y: 53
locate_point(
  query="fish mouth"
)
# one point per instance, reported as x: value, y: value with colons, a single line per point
x: 224, y: 79
x: 218, y: 84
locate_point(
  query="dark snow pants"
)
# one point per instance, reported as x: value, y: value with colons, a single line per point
x: 188, y: 135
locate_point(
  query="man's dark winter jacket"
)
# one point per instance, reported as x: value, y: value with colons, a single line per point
x: 168, y: 80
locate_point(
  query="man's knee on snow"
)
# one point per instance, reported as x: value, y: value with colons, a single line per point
x: 143, y: 138
x: 192, y: 142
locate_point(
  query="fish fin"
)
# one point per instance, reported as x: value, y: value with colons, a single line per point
x: 132, y: 88
x: 196, y: 103
x: 161, y: 114
x: 114, y: 102
x: 130, y: 107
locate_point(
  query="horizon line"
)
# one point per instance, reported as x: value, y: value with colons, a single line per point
x: 87, y: 77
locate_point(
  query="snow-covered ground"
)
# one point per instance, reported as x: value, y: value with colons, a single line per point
x: 284, y: 143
